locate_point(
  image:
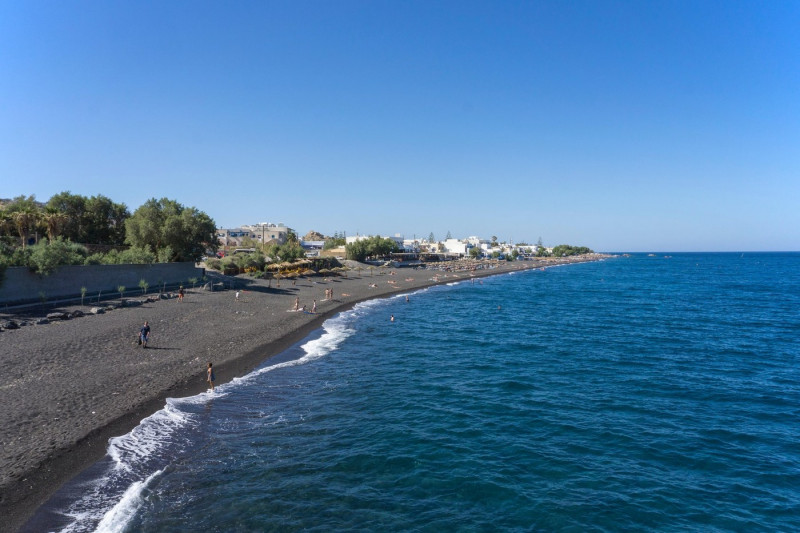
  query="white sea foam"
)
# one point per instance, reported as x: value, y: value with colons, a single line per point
x: 335, y: 331
x: 131, y: 453
x: 148, y: 437
x: 118, y: 517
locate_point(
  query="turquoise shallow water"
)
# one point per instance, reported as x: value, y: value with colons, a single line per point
x: 640, y: 393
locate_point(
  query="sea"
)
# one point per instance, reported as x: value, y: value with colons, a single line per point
x: 649, y: 392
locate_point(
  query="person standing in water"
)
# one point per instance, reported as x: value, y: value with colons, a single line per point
x: 210, y: 376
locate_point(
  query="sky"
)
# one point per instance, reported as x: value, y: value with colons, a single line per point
x: 622, y: 126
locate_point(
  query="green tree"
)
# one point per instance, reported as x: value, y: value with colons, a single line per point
x: 370, y: 247
x: 431, y: 238
x: 53, y: 223
x: 565, y: 250
x: 163, y: 223
x: 541, y: 251
x: 46, y: 257
x: 104, y: 221
x: 96, y: 220
x: 333, y: 242
x: 289, y: 251
x: 136, y: 255
x: 25, y: 222
x: 7, y: 229
x: 73, y: 207
x: 448, y: 236
x: 23, y: 216
x: 475, y: 252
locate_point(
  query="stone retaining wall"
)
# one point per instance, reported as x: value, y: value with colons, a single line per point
x: 20, y: 285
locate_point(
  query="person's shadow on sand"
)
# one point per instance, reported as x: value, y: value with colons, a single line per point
x: 155, y: 348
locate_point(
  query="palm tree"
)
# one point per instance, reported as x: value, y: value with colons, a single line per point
x: 54, y: 222
x: 6, y: 223
x: 25, y: 221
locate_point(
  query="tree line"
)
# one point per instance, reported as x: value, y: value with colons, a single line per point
x: 565, y: 250
x: 374, y: 246
x: 72, y: 229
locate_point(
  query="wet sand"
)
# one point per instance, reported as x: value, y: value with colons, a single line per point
x: 68, y: 386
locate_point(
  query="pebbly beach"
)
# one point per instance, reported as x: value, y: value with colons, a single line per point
x: 70, y: 385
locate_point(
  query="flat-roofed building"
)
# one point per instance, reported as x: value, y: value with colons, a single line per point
x: 263, y: 233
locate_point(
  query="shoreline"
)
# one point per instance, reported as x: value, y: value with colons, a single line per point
x: 49, y: 436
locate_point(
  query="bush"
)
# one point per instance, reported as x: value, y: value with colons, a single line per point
x: 94, y: 259
x: 250, y: 262
x: 165, y: 254
x: 137, y: 256
x: 46, y: 257
x: 214, y: 264
x: 229, y: 266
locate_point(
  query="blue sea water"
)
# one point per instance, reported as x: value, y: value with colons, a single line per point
x: 633, y: 394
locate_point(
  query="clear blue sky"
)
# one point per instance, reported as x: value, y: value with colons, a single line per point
x: 622, y: 126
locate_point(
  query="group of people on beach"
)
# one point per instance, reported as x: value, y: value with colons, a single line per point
x: 297, y: 306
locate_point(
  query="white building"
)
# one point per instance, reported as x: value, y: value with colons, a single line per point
x: 455, y: 247
x: 262, y: 233
x: 397, y: 239
x: 411, y: 245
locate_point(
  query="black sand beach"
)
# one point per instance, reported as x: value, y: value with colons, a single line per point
x: 71, y: 385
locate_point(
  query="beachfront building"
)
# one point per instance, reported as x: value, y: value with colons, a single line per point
x: 528, y: 251
x: 456, y: 247
x: 312, y: 248
x: 397, y: 239
x: 411, y: 246
x: 431, y: 247
x: 263, y: 233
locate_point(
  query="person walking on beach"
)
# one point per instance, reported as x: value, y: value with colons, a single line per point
x: 180, y: 294
x: 237, y: 296
x: 144, y: 332
x: 314, y: 307
x: 297, y: 303
x: 210, y: 376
